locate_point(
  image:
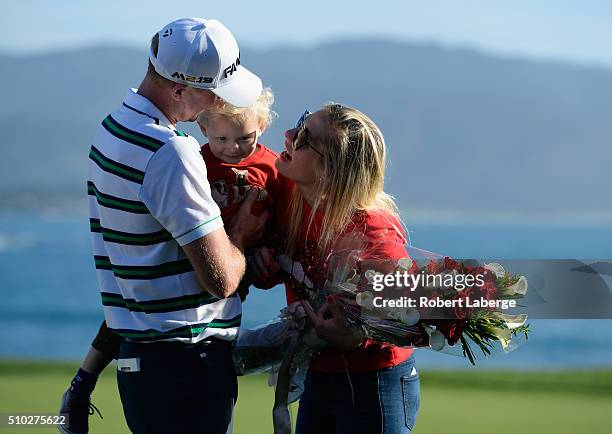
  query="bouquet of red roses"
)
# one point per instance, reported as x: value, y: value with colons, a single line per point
x: 427, y: 300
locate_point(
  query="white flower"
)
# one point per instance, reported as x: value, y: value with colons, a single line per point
x: 411, y: 316
x: 495, y: 268
x: 404, y: 263
x: 437, y: 341
x: 512, y: 321
x: 364, y: 299
x: 370, y: 275
x: 503, y: 335
x: 520, y: 287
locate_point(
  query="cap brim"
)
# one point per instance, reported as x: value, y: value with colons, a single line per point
x: 243, y: 90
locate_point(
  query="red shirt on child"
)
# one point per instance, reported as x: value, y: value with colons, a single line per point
x: 229, y: 182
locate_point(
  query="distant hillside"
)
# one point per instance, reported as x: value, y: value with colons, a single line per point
x: 465, y: 130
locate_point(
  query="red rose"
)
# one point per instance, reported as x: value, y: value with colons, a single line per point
x: 451, y: 330
x: 433, y: 267
x: 451, y: 264
x: 479, y: 270
x: 463, y: 312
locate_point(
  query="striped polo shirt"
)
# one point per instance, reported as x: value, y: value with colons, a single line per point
x: 148, y: 196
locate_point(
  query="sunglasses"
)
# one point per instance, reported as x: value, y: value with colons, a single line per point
x: 303, y: 131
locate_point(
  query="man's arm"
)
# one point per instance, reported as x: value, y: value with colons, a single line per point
x: 218, y: 264
x: 218, y: 259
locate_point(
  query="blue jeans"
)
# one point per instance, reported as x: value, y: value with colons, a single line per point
x: 380, y: 402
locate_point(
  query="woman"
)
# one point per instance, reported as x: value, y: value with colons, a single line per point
x: 336, y: 159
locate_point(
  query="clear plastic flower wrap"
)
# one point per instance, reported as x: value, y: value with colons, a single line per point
x: 262, y: 348
x: 356, y: 281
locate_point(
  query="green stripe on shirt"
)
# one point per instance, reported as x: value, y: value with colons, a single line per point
x: 144, y: 272
x: 118, y: 237
x: 188, y: 332
x: 158, y: 306
x: 109, y: 201
x: 115, y: 168
x: 134, y: 137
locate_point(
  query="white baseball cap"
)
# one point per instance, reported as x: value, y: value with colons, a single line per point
x: 204, y: 54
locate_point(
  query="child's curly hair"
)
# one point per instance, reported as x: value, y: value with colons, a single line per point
x: 261, y: 110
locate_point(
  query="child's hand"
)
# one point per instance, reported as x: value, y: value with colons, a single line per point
x: 264, y: 268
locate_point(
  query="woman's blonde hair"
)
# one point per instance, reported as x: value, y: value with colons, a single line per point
x: 352, y: 178
x: 261, y: 110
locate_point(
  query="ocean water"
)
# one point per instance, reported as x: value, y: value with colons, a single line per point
x: 50, y: 306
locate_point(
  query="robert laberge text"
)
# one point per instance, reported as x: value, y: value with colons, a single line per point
x: 424, y: 302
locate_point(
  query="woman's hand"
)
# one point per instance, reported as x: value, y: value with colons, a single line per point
x: 263, y: 268
x: 329, y: 324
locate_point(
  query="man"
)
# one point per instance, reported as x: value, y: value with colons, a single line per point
x: 167, y: 269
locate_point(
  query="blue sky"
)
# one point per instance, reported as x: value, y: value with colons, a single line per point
x: 576, y: 31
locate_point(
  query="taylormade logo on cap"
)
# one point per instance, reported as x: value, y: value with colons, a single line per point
x: 204, y: 54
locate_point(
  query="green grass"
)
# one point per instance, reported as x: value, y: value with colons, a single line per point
x: 459, y: 402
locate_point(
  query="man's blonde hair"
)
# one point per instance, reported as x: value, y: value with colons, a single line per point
x: 261, y: 110
x: 352, y: 178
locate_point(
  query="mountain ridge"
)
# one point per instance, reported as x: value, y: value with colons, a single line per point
x: 521, y: 135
